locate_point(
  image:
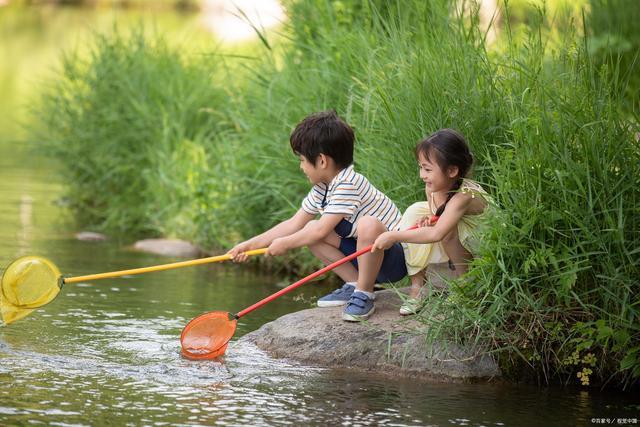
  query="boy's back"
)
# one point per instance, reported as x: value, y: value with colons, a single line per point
x: 351, y: 195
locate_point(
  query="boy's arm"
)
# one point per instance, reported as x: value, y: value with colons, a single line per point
x: 311, y: 233
x: 285, y: 228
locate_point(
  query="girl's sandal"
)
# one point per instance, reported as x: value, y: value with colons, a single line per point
x: 410, y: 306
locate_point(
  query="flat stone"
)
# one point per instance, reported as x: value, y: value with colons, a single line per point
x: 168, y: 247
x: 387, y: 343
x: 90, y: 236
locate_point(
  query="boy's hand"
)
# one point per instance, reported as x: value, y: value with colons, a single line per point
x: 383, y: 242
x: 278, y: 247
x: 238, y: 252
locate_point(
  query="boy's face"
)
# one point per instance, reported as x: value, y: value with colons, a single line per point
x: 434, y: 177
x: 310, y: 170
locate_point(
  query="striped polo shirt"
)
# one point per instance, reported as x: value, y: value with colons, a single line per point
x: 351, y: 195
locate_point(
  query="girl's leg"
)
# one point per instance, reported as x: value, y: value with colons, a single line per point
x: 416, y: 255
x: 458, y: 254
x: 327, y: 251
x: 413, y: 304
x: 417, y: 282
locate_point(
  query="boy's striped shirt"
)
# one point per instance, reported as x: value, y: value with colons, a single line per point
x: 351, y: 195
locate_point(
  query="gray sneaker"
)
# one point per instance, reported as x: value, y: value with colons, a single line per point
x: 338, y: 297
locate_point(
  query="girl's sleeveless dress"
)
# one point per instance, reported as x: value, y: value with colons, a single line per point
x: 419, y: 255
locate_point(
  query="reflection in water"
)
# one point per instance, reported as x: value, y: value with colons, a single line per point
x: 26, y: 211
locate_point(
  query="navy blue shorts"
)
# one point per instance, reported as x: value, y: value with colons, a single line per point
x: 393, y: 265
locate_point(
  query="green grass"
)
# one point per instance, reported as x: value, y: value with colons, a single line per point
x: 615, y: 43
x: 154, y: 141
x: 127, y: 122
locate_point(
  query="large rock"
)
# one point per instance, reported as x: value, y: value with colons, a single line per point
x: 386, y: 343
x: 168, y: 247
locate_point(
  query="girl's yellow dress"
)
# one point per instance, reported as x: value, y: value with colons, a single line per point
x: 419, y: 255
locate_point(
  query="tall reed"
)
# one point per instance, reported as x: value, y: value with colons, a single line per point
x: 127, y: 123
x: 615, y: 43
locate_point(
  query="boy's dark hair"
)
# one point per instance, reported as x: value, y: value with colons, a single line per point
x: 447, y: 148
x: 324, y: 133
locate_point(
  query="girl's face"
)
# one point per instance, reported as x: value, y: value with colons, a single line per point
x: 436, y: 179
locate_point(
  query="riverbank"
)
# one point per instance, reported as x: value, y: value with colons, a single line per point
x: 386, y: 344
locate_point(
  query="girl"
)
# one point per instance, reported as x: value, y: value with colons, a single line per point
x: 445, y: 161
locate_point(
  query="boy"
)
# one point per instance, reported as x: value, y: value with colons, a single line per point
x: 352, y: 212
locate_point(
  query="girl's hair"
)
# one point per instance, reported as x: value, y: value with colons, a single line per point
x: 447, y: 148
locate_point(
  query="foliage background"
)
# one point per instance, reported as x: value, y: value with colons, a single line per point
x: 157, y: 141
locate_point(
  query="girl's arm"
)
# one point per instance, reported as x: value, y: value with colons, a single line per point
x: 456, y: 208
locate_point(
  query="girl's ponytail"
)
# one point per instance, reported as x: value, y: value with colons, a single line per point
x: 453, y: 191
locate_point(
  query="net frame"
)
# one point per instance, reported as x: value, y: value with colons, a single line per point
x: 219, y: 325
x: 19, y: 279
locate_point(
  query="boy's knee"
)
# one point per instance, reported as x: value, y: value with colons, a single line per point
x: 370, y: 227
x: 331, y: 239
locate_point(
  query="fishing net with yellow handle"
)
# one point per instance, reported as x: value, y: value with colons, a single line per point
x: 31, y: 282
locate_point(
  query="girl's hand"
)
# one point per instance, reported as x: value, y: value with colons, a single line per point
x: 278, y: 247
x: 422, y: 222
x: 427, y: 221
x: 384, y: 241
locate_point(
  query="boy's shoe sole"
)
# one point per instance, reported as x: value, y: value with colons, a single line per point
x: 336, y: 303
x: 331, y: 303
x: 358, y: 318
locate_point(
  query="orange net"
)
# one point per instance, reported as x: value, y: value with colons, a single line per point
x: 207, y: 336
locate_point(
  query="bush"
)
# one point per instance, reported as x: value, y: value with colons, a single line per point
x: 127, y: 124
x: 615, y: 43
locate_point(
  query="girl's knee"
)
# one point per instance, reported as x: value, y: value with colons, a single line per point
x: 418, y: 208
x: 414, y: 213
